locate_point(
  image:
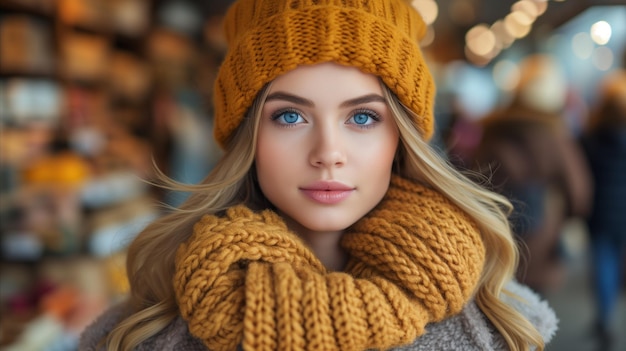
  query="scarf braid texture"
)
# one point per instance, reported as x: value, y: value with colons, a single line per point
x: 244, y: 279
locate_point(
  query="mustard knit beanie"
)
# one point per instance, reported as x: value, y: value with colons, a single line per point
x: 267, y: 38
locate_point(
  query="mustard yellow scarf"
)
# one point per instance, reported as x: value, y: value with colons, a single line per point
x: 245, y: 279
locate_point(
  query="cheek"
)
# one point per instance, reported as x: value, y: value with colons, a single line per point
x: 273, y: 160
x: 387, y: 153
x: 266, y: 160
x: 380, y: 153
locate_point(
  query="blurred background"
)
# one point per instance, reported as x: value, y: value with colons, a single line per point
x: 94, y: 93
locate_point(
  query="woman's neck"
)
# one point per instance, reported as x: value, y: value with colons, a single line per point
x: 325, y: 245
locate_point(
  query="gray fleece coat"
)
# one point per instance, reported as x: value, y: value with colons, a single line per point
x: 469, y: 330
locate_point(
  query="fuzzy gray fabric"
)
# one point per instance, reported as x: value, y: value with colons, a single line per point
x: 469, y: 330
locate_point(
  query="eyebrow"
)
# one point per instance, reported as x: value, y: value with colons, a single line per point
x: 279, y: 95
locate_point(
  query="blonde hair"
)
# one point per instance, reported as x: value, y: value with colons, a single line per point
x: 150, y: 262
x: 420, y: 162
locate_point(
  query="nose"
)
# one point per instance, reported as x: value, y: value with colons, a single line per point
x: 328, y: 148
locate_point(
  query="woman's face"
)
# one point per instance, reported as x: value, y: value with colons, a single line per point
x: 326, y: 145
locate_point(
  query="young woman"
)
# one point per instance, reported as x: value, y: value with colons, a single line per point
x: 329, y: 223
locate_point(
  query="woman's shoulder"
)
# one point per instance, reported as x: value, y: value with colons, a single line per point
x: 534, y: 308
x: 92, y: 336
x: 175, y: 336
x: 468, y: 330
x: 471, y: 330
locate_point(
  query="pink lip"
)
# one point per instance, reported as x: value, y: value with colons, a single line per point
x: 327, y: 192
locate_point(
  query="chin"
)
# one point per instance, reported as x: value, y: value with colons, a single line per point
x: 326, y: 224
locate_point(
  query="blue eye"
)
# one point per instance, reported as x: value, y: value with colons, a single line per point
x: 288, y: 117
x: 364, y: 118
x: 361, y: 118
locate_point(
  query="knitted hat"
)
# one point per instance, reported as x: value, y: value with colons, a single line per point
x: 268, y: 38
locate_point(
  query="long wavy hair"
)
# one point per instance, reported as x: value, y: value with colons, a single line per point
x: 150, y: 262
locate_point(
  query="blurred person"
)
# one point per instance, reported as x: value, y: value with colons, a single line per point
x: 531, y: 157
x: 604, y: 142
x: 329, y: 223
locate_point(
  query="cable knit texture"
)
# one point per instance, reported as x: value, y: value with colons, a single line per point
x: 267, y: 38
x: 245, y: 279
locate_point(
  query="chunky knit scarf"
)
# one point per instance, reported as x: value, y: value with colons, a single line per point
x: 245, y: 279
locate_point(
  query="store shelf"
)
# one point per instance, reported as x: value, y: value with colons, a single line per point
x: 44, y: 9
x: 91, y: 92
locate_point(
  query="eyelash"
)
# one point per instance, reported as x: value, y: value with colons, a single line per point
x: 276, y: 115
x: 370, y: 113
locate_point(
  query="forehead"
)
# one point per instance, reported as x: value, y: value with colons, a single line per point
x: 329, y: 77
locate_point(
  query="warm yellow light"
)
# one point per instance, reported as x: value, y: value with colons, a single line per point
x: 477, y: 60
x: 428, y: 9
x: 526, y: 6
x: 541, y: 5
x: 503, y: 38
x: 480, y: 40
x: 518, y: 24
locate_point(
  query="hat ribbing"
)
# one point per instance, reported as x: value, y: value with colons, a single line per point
x: 268, y: 38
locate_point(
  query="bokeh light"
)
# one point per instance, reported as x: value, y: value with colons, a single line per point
x: 480, y: 40
x: 503, y: 38
x: 506, y: 75
x: 602, y: 58
x: 601, y: 32
x: 518, y: 24
x: 428, y: 9
x: 526, y: 6
x: 582, y: 45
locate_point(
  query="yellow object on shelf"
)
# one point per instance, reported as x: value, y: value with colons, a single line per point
x: 62, y: 169
x: 116, y: 270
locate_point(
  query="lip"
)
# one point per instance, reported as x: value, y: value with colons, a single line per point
x: 327, y: 192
